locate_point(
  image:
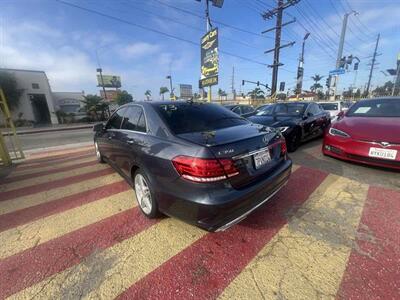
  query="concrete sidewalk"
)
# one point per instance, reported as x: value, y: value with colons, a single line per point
x: 61, y: 127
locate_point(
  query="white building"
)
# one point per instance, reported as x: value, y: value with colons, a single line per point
x: 38, y: 103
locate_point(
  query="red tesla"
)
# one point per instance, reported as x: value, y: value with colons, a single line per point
x: 369, y: 133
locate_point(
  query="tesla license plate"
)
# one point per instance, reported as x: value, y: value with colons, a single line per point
x: 261, y: 159
x: 382, y: 153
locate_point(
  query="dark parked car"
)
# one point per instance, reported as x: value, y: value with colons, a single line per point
x: 298, y: 121
x: 240, y: 109
x: 198, y: 162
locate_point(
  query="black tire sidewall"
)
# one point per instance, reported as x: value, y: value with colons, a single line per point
x: 293, y: 141
x: 154, y: 208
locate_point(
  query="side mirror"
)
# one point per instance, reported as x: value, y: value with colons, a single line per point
x: 99, y: 127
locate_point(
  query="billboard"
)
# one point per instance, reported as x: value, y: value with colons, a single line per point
x: 209, y: 56
x: 111, y: 94
x: 186, y: 91
x: 110, y: 81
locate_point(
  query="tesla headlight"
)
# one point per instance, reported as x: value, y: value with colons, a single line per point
x: 283, y: 129
x: 337, y: 132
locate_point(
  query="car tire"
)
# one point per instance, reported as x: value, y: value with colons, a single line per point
x: 144, y: 195
x: 293, y: 141
x: 99, y: 156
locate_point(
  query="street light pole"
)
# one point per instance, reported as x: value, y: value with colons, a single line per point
x: 171, y: 94
x: 340, y: 49
x: 208, y: 27
x: 100, y: 71
x: 300, y: 69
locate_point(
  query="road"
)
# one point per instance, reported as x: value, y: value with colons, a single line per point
x: 70, y: 228
x: 52, y: 139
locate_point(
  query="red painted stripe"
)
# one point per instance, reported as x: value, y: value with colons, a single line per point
x: 33, y: 213
x: 54, y: 184
x: 373, y: 269
x: 34, y: 265
x: 48, y: 172
x: 58, y: 156
x: 27, y: 166
x: 204, y: 269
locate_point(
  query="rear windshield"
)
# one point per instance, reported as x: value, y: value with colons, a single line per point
x: 197, y: 117
x: 330, y: 106
x: 375, y: 108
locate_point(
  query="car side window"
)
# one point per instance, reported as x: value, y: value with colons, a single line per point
x: 236, y: 110
x: 116, y: 119
x: 313, y: 109
x: 247, y: 109
x: 141, y: 125
x: 134, y: 119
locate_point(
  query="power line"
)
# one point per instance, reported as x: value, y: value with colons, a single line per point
x: 366, y: 29
x: 190, y: 26
x: 152, y: 30
x: 216, y: 22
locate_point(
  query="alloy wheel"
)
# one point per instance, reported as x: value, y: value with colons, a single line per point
x: 143, y: 194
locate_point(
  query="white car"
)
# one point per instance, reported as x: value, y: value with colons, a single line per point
x: 334, y: 107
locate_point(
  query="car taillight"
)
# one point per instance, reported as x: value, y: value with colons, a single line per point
x: 203, y: 169
x: 283, y: 147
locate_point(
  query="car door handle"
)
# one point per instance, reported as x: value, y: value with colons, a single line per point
x: 130, y: 142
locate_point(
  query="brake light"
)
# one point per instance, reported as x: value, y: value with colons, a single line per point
x: 204, y: 170
x: 283, y: 147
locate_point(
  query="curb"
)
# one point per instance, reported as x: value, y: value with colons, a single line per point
x: 50, y: 130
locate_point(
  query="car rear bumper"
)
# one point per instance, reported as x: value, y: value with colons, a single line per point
x: 358, y: 151
x: 218, y: 208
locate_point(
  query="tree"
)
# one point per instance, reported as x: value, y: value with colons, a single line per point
x: 147, y: 94
x: 316, y: 86
x: 384, y: 90
x: 257, y: 93
x: 123, y: 97
x: 94, y: 104
x: 10, y: 88
x: 196, y: 96
x: 163, y: 90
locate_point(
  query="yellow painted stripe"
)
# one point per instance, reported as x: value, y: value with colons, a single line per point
x: 307, y: 258
x: 51, y: 177
x: 49, y: 154
x: 50, y: 167
x: 295, y: 167
x: 57, y: 193
x: 106, y: 274
x: 29, y: 235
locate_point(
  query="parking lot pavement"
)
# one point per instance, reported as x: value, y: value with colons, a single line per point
x: 70, y: 228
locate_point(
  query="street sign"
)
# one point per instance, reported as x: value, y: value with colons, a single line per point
x: 209, y: 81
x: 337, y: 72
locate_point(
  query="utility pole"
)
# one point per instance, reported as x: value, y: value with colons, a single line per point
x: 397, y: 78
x: 372, y: 64
x: 233, y: 84
x: 340, y: 49
x: 278, y: 12
x: 171, y: 93
x: 300, y: 69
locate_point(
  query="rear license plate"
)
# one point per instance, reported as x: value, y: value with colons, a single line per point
x: 382, y: 153
x: 261, y: 159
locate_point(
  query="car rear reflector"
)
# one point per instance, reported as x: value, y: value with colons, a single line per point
x: 283, y: 147
x: 204, y: 170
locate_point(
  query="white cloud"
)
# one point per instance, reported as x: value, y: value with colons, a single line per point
x: 138, y: 50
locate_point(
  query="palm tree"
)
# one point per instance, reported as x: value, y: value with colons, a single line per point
x: 93, y: 104
x: 316, y: 86
x: 257, y: 93
x: 163, y: 90
x: 147, y: 94
x: 221, y: 93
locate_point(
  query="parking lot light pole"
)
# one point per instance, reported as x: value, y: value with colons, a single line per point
x: 100, y: 71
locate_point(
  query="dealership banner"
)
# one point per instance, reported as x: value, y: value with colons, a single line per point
x: 209, y: 81
x: 209, y: 57
x: 110, y: 81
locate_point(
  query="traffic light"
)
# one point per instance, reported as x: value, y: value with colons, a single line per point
x: 258, y: 83
x: 328, y: 81
x: 242, y: 82
x: 342, y: 62
x: 282, y: 86
x: 356, y: 66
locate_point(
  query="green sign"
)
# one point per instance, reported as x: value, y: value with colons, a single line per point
x: 110, y: 81
x: 209, y: 81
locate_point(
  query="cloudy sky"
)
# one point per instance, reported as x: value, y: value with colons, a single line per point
x: 145, y: 40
